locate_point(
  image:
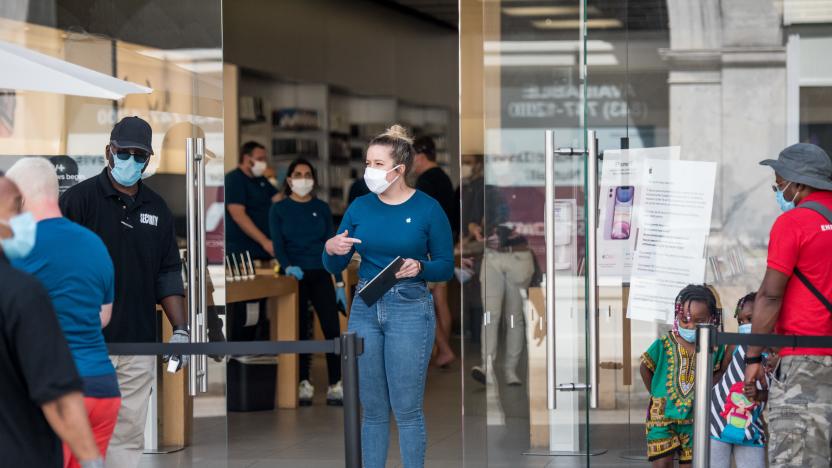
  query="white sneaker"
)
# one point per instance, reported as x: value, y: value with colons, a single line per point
x: 305, y: 393
x: 335, y: 395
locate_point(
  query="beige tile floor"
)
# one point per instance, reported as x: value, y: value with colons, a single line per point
x: 312, y: 437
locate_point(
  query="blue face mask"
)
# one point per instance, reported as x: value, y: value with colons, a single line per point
x: 126, y: 172
x: 745, y: 328
x: 781, y: 199
x: 688, y: 334
x: 24, y: 230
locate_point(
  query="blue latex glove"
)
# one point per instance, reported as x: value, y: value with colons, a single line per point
x: 341, y: 297
x: 295, y: 271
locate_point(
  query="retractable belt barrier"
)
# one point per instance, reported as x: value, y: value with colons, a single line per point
x: 349, y: 346
x: 707, y: 337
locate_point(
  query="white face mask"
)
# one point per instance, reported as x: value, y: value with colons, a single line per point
x: 258, y: 168
x: 302, y: 187
x: 376, y: 179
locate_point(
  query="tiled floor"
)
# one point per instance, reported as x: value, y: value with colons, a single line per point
x: 312, y: 437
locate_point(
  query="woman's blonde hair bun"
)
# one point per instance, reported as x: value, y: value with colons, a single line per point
x: 398, y: 132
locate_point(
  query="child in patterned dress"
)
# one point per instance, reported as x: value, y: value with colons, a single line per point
x: 738, y: 435
x: 668, y: 369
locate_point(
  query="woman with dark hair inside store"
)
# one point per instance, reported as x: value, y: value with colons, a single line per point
x: 300, y: 225
x: 398, y: 330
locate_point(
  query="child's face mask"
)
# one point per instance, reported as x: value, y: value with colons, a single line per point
x: 687, y: 334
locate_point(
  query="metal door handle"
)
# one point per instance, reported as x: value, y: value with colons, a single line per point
x: 190, y: 210
x: 591, y: 262
x: 549, y: 217
x: 197, y: 268
x: 573, y: 387
x: 203, y: 263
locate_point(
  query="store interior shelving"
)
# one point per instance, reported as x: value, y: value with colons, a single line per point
x: 329, y: 126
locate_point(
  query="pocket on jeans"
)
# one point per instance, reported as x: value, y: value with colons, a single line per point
x: 414, y: 293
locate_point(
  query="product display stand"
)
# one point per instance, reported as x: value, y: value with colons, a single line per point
x: 281, y: 293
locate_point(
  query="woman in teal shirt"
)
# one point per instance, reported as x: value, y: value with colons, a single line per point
x: 398, y: 330
x: 300, y: 224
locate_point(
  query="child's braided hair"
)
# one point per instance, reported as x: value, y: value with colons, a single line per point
x: 699, y: 293
x: 748, y: 298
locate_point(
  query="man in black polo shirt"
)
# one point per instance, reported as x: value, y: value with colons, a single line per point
x: 41, y: 391
x: 137, y: 228
x: 433, y: 181
x: 248, y: 198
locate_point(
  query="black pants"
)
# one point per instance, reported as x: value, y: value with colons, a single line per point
x: 316, y: 288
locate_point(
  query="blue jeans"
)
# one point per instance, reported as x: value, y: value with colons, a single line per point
x: 398, y: 333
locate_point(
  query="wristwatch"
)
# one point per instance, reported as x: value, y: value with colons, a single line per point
x: 753, y: 360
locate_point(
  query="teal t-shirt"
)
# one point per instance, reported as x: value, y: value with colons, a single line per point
x: 299, y: 232
x: 417, y: 229
x: 74, y: 266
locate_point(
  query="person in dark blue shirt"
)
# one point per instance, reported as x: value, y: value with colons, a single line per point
x: 398, y: 330
x: 300, y: 225
x: 248, y: 197
x: 75, y: 267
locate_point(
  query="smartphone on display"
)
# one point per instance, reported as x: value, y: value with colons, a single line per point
x: 622, y: 212
x: 609, y: 204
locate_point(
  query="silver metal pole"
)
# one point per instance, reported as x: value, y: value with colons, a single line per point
x: 591, y: 262
x: 203, y: 262
x: 702, y: 404
x: 549, y: 155
x: 192, y: 257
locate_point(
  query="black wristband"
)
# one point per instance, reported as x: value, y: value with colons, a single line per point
x: 177, y: 328
x: 753, y: 360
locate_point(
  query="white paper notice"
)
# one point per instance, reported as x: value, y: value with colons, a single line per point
x: 621, y: 191
x: 675, y: 219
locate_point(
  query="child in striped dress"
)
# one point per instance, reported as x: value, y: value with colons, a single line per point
x: 736, y: 421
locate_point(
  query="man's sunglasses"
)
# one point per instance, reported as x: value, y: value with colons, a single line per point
x: 139, y: 157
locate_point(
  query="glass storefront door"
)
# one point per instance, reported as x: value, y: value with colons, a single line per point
x: 725, y: 85
x: 75, y: 53
x: 528, y: 382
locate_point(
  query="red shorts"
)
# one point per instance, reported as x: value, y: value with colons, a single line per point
x: 102, y: 413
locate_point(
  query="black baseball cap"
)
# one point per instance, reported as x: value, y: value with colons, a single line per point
x: 132, y: 132
x: 803, y: 163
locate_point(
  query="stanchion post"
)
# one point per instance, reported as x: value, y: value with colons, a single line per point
x: 351, y: 346
x: 704, y: 382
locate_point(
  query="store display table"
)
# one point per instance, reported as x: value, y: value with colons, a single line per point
x: 281, y: 293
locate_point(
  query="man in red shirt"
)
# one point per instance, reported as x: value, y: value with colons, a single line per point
x: 800, y: 398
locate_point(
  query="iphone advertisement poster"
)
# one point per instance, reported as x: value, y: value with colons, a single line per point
x: 619, y: 200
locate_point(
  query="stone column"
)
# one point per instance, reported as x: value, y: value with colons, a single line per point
x: 727, y: 85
